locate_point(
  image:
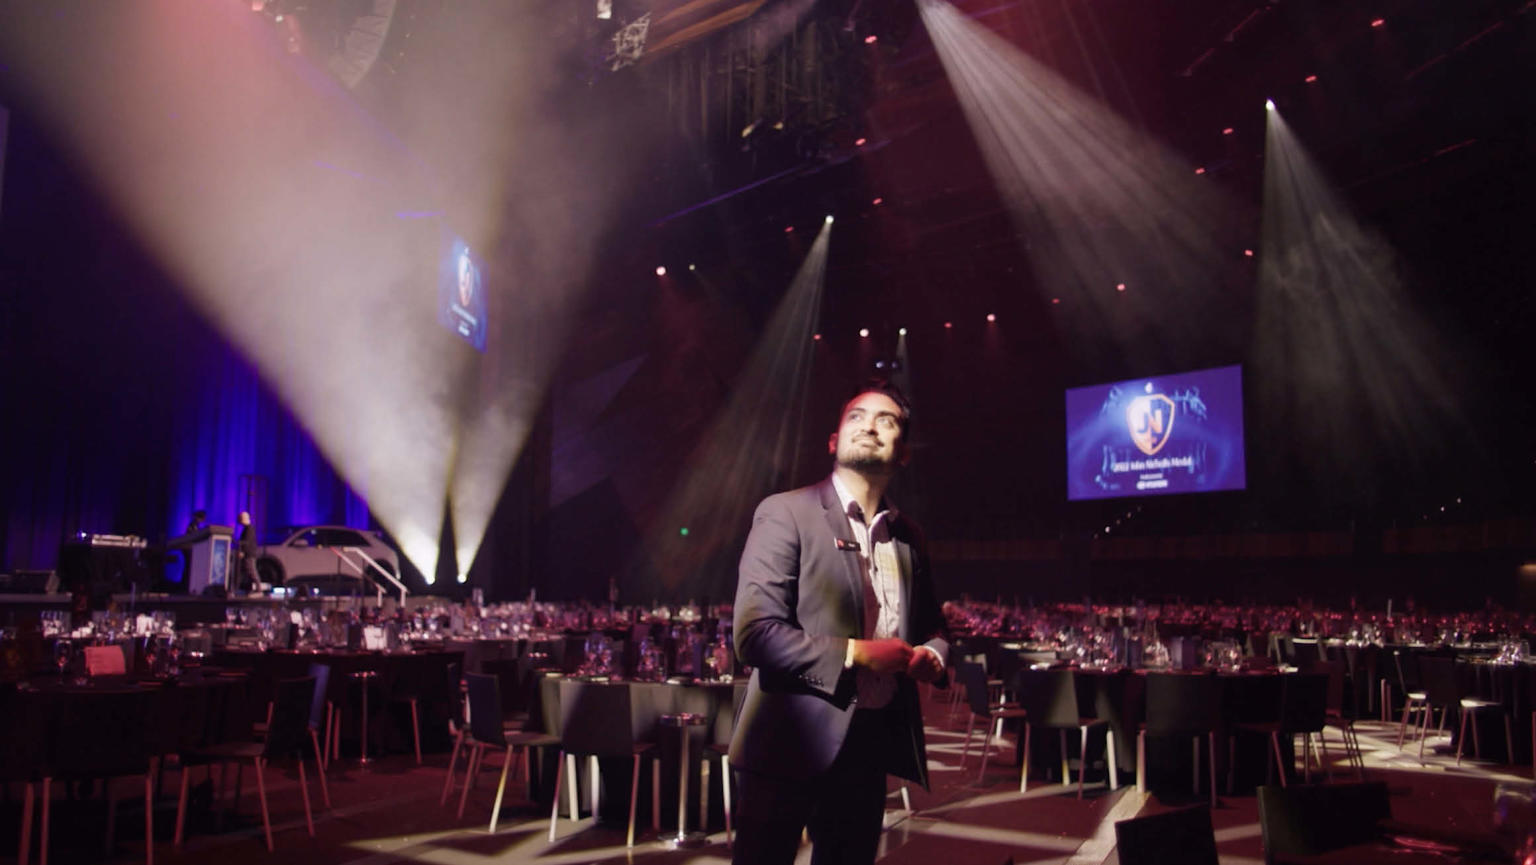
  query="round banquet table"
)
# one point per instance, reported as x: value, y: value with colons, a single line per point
x: 423, y: 675
x: 196, y: 709
x: 1120, y: 697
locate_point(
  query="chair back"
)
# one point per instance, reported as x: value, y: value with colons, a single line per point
x: 1304, y: 702
x: 484, y: 693
x: 1049, y: 697
x: 1334, y: 670
x: 1180, y: 837
x: 1437, y: 675
x: 595, y: 719
x: 101, y: 733
x: 1182, y: 704
x: 973, y: 677
x: 1407, y: 671
x: 292, y: 702
x: 321, y: 673
x: 23, y: 737
x: 1305, y: 821
x: 1306, y: 652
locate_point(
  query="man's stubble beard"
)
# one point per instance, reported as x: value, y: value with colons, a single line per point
x: 869, y: 465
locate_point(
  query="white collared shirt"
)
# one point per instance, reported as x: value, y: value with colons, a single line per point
x: 881, y: 587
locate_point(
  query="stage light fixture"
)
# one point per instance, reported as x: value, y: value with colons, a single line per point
x: 1228, y: 131
x: 871, y: 39
x: 816, y: 337
x: 661, y: 271
x: 1119, y: 286
x: 858, y: 142
x: 1200, y: 170
x: 829, y: 219
x: 948, y: 325
x: 1248, y: 252
x: 901, y: 332
x: 991, y: 316
x: 789, y: 229
x: 878, y: 201
x: 1378, y: 22
x: 1310, y: 79
x: 693, y: 267
x: 1269, y: 105
x: 1055, y: 301
x: 864, y: 333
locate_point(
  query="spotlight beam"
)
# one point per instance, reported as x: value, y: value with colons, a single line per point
x: 749, y: 450
x: 1098, y: 200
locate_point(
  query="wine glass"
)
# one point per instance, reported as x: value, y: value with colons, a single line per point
x: 61, y: 655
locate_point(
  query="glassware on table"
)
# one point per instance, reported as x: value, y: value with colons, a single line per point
x: 1514, y: 818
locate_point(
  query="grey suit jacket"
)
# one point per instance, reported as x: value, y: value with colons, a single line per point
x: 799, y: 601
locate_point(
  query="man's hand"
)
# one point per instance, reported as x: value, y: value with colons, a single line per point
x: 924, y: 666
x: 890, y: 655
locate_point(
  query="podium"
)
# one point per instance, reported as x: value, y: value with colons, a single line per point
x: 210, y: 557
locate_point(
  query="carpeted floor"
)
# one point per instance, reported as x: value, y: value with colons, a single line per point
x: 389, y: 813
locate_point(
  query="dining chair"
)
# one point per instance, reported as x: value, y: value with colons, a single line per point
x: 1183, y: 705
x: 979, y: 697
x: 292, y: 707
x: 1301, y: 822
x: 23, y: 744
x: 320, y: 708
x: 416, y: 680
x: 1337, y: 716
x: 487, y: 731
x: 1414, y: 697
x: 1180, y: 837
x: 1049, y: 701
x: 103, y: 734
x: 1303, y: 709
x: 596, y: 721
x: 1437, y: 673
x: 1446, y: 690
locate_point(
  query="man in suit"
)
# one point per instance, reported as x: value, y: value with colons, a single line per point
x: 836, y: 612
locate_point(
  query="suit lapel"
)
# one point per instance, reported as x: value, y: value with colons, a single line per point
x: 837, y: 521
x: 904, y: 577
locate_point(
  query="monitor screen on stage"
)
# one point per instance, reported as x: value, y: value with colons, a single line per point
x: 461, y: 294
x: 1180, y: 433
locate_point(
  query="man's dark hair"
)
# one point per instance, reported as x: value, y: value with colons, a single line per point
x: 882, y: 386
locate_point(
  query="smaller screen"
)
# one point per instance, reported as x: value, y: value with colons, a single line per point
x: 1180, y: 433
x: 461, y: 295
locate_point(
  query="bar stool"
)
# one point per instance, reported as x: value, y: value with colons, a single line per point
x: 683, y: 839
x: 365, y: 678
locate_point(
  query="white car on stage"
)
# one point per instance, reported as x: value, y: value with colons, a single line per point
x: 327, y: 559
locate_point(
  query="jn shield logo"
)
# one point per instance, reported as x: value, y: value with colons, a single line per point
x: 1150, y: 421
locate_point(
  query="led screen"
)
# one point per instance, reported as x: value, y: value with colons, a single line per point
x: 1180, y: 433
x: 461, y: 295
